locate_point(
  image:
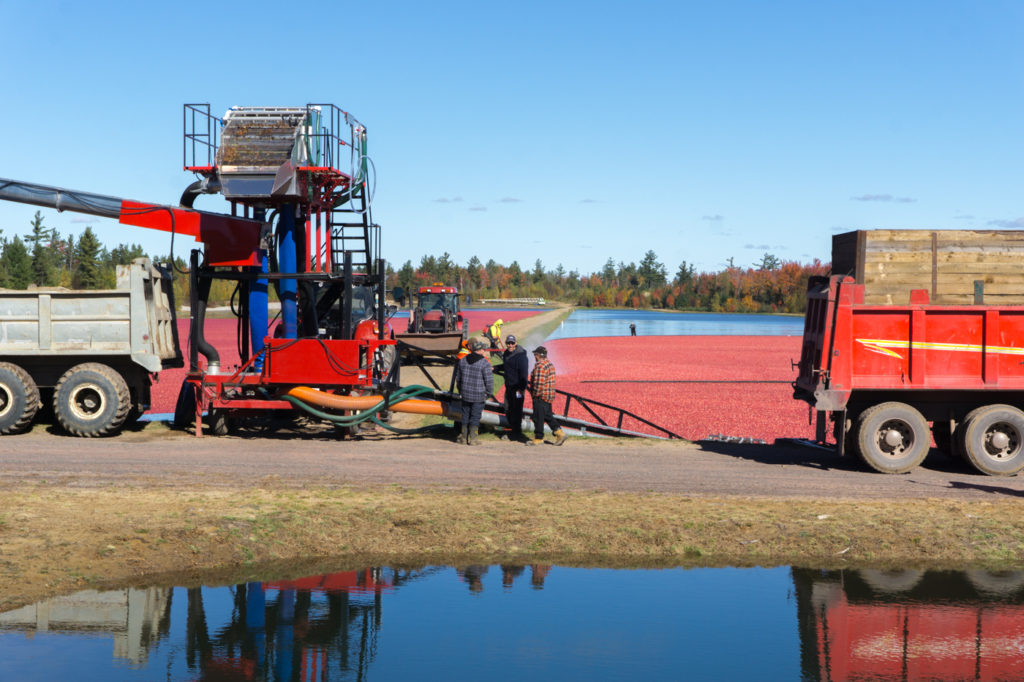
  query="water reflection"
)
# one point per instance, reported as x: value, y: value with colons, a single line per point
x: 911, y: 625
x: 534, y: 621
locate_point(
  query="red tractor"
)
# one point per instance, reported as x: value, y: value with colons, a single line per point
x: 436, y: 324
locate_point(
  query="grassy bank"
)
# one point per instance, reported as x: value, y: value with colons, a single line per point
x: 56, y: 539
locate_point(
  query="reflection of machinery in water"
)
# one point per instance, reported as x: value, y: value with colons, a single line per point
x: 134, y: 618
x: 910, y: 624
x: 317, y: 628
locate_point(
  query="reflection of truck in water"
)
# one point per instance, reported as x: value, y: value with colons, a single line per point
x: 436, y: 325
x: 910, y: 624
x: 90, y: 354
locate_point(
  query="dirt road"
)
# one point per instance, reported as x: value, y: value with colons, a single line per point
x: 155, y: 456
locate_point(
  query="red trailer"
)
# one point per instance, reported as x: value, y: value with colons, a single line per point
x: 881, y: 373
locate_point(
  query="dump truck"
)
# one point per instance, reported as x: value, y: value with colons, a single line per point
x: 886, y: 377
x: 91, y: 354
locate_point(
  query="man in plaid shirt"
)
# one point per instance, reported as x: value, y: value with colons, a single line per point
x: 542, y: 388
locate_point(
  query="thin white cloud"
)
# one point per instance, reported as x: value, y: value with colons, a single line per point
x: 713, y: 218
x: 510, y: 200
x: 1012, y: 224
x: 884, y: 198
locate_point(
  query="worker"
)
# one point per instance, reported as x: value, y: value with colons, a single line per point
x: 475, y: 379
x: 632, y: 329
x: 517, y: 372
x: 542, y: 389
x: 493, y: 332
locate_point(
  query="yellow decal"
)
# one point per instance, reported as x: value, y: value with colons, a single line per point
x: 883, y: 347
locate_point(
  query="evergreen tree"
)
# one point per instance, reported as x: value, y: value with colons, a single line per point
x: 44, y: 258
x: 17, y: 263
x: 651, y: 271
x: 88, y: 254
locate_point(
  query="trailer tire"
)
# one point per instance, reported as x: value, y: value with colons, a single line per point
x: 892, y: 438
x: 91, y: 400
x: 19, y: 399
x: 220, y: 424
x: 994, y: 440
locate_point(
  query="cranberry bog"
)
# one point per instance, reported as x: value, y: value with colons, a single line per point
x: 695, y: 386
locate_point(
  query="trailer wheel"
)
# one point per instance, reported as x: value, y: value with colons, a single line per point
x: 994, y: 440
x: 892, y: 438
x: 91, y: 400
x: 220, y: 423
x: 19, y: 399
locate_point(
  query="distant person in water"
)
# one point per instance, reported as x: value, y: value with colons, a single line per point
x: 632, y: 329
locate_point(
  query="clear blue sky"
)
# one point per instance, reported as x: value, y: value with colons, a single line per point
x: 566, y: 131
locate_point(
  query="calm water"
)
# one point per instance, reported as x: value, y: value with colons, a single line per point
x: 534, y: 623
x: 615, y: 322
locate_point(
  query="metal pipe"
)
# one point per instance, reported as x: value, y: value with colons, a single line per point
x: 60, y: 199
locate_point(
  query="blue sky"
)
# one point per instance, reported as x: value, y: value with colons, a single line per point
x: 566, y: 131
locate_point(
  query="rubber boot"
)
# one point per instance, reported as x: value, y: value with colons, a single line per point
x: 474, y: 431
x: 461, y: 440
x: 560, y: 436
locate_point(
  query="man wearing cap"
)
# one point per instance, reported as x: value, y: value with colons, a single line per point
x: 475, y: 381
x: 517, y: 372
x: 542, y: 389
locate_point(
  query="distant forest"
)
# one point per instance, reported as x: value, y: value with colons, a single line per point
x: 45, y: 258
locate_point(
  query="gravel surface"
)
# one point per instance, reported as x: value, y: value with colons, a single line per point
x: 155, y: 456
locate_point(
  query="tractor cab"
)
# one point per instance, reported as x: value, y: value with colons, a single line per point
x: 437, y: 310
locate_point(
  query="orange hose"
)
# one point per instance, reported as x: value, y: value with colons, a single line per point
x: 363, y: 402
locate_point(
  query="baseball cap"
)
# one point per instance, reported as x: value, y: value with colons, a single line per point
x: 511, y: 338
x: 540, y: 350
x: 478, y: 344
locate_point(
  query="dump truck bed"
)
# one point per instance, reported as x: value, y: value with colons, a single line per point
x: 136, y: 320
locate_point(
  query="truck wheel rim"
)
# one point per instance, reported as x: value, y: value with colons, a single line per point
x: 895, y: 437
x: 1002, y: 441
x: 6, y: 399
x: 87, y: 401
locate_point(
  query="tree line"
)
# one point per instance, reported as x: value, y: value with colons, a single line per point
x: 770, y: 286
x: 46, y: 258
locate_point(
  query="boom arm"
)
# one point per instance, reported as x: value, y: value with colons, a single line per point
x: 229, y: 240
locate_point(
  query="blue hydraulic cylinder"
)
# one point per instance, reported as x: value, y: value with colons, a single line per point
x: 258, y: 314
x: 287, y: 263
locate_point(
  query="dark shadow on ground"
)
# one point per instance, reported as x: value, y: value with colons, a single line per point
x: 782, y: 452
x: 991, y: 489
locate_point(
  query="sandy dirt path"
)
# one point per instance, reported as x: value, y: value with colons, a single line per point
x: 164, y: 458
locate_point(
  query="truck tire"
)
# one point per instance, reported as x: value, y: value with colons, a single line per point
x: 91, y: 400
x: 19, y: 399
x: 892, y: 438
x: 994, y: 440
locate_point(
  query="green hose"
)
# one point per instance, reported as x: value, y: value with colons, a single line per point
x: 401, y: 394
